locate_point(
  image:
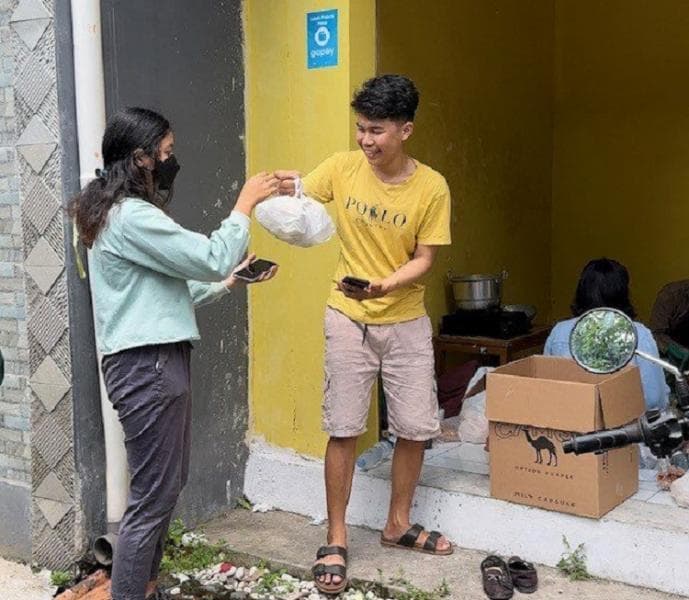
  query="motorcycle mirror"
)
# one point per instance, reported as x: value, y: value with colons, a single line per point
x: 603, y: 340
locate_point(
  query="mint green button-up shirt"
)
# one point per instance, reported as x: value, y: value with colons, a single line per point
x: 148, y: 273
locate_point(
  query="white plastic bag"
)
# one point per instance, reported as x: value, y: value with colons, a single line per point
x: 297, y: 220
x: 473, y: 424
x: 679, y: 489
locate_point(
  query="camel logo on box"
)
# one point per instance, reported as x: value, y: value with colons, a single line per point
x: 541, y: 444
x: 542, y: 441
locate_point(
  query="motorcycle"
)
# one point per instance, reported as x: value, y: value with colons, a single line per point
x: 603, y: 341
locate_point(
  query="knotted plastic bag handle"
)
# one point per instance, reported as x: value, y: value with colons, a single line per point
x: 298, y: 187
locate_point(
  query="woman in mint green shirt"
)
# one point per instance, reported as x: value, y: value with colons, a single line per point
x: 147, y: 275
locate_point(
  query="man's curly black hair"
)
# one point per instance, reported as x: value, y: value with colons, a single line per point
x: 393, y: 97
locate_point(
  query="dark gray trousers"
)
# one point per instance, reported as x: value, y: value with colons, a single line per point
x: 150, y: 387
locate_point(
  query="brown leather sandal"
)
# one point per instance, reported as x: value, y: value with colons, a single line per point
x: 321, y: 569
x: 523, y: 574
x: 408, y: 541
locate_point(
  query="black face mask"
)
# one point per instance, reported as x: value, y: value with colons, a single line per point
x: 166, y: 171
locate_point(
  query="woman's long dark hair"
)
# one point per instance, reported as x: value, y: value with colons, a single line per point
x: 128, y: 131
x: 603, y: 283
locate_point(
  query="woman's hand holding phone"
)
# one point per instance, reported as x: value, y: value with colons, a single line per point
x: 243, y: 274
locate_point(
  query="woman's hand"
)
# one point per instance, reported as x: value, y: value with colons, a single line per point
x: 255, y: 190
x: 233, y: 281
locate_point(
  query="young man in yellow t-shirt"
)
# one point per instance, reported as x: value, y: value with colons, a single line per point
x: 392, y: 214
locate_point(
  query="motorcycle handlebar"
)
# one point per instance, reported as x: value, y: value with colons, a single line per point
x: 600, y: 441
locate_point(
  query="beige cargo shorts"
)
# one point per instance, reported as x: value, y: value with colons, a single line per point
x: 354, y: 355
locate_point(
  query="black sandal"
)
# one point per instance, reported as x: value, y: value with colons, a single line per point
x: 321, y: 569
x: 409, y: 539
x: 497, y: 582
x: 523, y: 574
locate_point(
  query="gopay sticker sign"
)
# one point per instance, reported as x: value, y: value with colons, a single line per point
x: 321, y: 39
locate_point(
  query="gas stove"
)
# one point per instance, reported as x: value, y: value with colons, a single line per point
x: 489, y: 322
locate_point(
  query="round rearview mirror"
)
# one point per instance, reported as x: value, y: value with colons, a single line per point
x: 603, y: 340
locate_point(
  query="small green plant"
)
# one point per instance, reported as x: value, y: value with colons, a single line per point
x: 244, y: 503
x: 381, y: 579
x: 573, y: 562
x: 186, y: 551
x: 60, y: 578
x: 400, y: 579
x: 175, y: 532
x: 411, y: 592
x: 443, y: 590
x: 269, y: 581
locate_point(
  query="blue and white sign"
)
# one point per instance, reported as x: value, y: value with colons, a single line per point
x: 321, y: 39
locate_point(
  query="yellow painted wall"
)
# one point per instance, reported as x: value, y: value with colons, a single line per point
x: 296, y: 118
x: 621, y: 166
x: 484, y: 70
x: 559, y: 124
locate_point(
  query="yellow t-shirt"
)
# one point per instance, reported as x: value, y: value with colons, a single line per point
x: 379, y: 226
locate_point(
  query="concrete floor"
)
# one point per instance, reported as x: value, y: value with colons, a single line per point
x: 17, y: 582
x: 291, y: 541
x: 621, y: 546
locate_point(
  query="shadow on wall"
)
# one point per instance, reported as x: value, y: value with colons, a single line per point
x: 486, y: 123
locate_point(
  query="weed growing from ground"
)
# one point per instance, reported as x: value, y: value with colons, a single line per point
x: 413, y: 593
x: 186, y: 551
x: 573, y: 562
x: 60, y: 578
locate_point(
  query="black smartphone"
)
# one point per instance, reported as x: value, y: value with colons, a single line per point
x: 362, y: 284
x: 252, y: 272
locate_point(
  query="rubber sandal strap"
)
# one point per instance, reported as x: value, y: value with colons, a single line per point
x: 324, y: 551
x: 410, y: 537
x: 320, y: 569
x: 495, y: 573
x: 432, y: 541
x: 492, y: 561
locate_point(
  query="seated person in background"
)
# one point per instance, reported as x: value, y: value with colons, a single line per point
x: 605, y: 283
x: 670, y: 320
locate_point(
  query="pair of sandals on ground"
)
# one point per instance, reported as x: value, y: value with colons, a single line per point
x: 501, y: 578
x: 408, y: 541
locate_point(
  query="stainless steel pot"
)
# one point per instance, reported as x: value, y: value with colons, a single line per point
x: 476, y: 292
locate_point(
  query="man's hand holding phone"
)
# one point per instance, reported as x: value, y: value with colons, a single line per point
x: 251, y: 270
x: 362, y: 289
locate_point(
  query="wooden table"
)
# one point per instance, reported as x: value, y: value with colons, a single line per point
x: 506, y: 350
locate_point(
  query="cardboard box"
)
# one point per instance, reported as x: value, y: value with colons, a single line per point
x: 533, y: 405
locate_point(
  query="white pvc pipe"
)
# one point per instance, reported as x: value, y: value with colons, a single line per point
x: 89, y: 85
x: 90, y: 107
